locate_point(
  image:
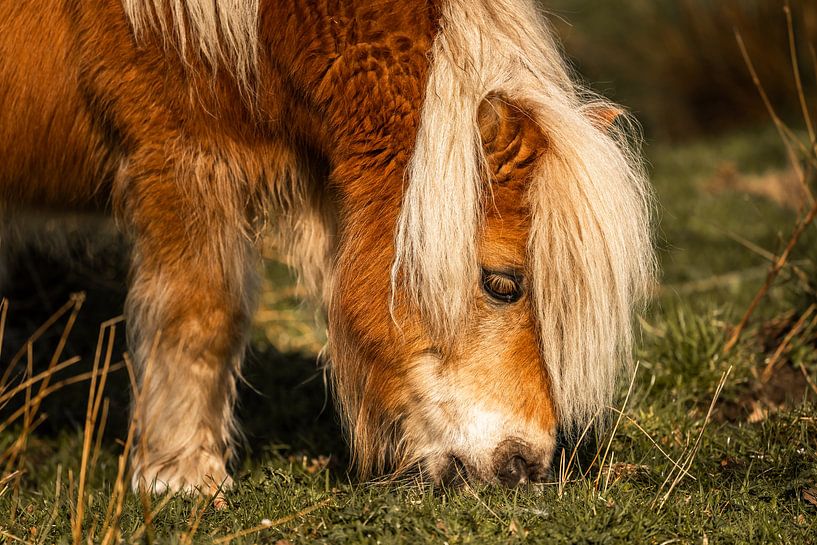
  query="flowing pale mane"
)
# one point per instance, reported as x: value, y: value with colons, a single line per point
x: 224, y: 32
x: 590, y: 253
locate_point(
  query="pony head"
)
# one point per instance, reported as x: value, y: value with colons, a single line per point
x: 521, y: 248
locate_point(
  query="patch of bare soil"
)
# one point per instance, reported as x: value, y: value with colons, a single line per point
x: 781, y: 382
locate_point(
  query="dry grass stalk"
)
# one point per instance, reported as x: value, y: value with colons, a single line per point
x: 99, y: 433
x: 807, y: 377
x: 76, y: 300
x: 30, y: 408
x: 196, y: 515
x: 789, y: 138
x: 7, y: 478
x: 684, y: 469
x: 808, y: 153
x: 55, y: 387
x: 146, y: 528
x: 71, y: 303
x: 6, y: 396
x: 655, y: 444
x: 4, y: 308
x: 795, y: 330
x: 22, y: 441
x: 91, y: 414
x: 467, y: 487
x: 110, y: 526
x: 565, y: 469
x: 274, y: 523
x: 801, y: 95
x: 777, y: 266
x: 46, y: 527
x: 12, y: 537
x: 615, y: 428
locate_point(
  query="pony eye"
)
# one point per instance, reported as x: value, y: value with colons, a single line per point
x: 503, y: 287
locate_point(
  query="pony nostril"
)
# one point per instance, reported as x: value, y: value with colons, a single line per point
x: 514, y: 471
x: 516, y: 462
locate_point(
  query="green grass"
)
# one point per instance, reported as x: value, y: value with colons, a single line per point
x: 745, y: 481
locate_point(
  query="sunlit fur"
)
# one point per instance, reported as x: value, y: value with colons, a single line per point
x: 393, y: 149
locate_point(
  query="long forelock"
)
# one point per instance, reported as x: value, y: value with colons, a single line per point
x: 223, y: 32
x: 590, y: 252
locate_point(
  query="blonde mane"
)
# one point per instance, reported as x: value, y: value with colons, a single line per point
x: 223, y: 32
x: 590, y: 251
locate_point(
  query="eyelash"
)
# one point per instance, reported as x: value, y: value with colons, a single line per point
x: 490, y: 279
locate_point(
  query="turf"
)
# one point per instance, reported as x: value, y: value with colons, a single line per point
x: 667, y: 470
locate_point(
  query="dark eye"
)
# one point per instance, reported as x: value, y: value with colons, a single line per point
x: 503, y: 287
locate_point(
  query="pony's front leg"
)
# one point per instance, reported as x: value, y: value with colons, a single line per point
x: 188, y: 311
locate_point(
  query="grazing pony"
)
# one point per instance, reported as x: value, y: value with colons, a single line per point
x: 475, y: 226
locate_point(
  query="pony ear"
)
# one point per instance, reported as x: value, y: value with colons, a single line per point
x: 603, y: 116
x: 511, y: 139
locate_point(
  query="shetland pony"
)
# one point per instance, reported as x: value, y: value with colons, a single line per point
x: 473, y: 223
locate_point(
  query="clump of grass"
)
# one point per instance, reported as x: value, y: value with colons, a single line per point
x: 703, y: 476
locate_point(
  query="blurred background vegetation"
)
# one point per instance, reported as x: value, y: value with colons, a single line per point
x: 677, y: 65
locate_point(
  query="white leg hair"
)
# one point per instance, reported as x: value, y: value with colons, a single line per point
x: 183, y: 411
x: 188, y: 366
x: 189, y: 308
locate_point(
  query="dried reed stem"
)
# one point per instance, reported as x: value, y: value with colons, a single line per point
x: 91, y: 413
x: 775, y: 269
x: 655, y: 444
x: 684, y: 470
x: 273, y: 523
x: 115, y: 503
x: 784, y: 344
x: 807, y: 377
x: 46, y: 527
x: 55, y: 387
x: 147, y: 526
x: 99, y: 433
x: 4, y: 308
x: 12, y: 537
x: 31, y: 407
x: 795, y: 64
x: 809, y: 153
x: 37, y: 378
x: 564, y: 470
x: 784, y: 132
x: 618, y: 421
x: 35, y: 336
x: 196, y: 515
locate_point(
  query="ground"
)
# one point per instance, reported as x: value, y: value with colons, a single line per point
x: 672, y: 467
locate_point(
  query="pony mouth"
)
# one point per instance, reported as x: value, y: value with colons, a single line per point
x: 456, y: 471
